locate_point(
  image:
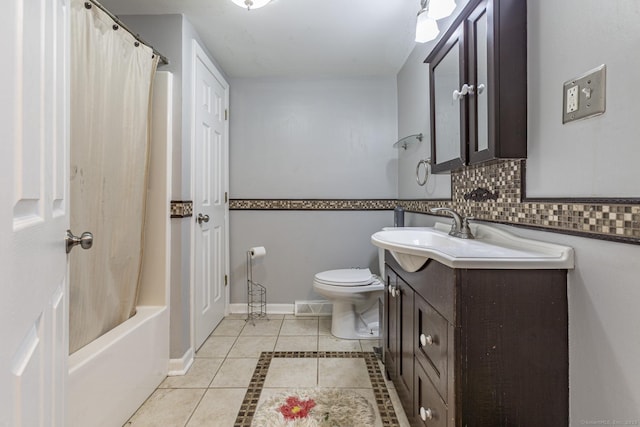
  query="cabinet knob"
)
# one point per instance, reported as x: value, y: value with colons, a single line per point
x: 426, y: 414
x: 464, y: 91
x: 426, y: 340
x: 481, y: 88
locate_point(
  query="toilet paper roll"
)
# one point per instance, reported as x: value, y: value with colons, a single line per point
x: 258, y: 252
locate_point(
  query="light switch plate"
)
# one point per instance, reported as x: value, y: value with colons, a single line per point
x: 584, y: 96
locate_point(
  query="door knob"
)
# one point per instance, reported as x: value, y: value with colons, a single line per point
x: 85, y: 240
x: 202, y: 218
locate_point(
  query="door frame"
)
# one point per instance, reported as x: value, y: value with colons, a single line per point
x: 198, y: 53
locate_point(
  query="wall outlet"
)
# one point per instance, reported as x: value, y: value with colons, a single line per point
x: 572, y: 99
x: 584, y: 96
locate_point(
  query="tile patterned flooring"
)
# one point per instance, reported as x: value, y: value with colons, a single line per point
x: 219, y: 383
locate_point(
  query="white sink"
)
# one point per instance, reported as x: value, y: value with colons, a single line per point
x: 492, y: 248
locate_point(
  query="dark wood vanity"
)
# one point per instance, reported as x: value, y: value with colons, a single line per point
x: 478, y: 347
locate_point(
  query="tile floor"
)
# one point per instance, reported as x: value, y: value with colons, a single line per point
x: 212, y: 392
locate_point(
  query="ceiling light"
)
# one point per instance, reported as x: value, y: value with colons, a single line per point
x: 251, y: 4
x: 426, y: 28
x: 439, y: 9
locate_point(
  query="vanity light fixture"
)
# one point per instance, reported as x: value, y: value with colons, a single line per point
x: 430, y: 10
x: 439, y: 9
x: 251, y: 4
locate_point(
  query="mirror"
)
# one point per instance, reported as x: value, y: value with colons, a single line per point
x: 446, y: 79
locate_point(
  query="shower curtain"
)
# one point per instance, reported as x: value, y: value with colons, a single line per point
x: 111, y: 80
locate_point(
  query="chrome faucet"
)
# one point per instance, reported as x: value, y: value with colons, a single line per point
x: 460, y: 227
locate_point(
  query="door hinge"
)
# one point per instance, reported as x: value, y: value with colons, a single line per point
x: 226, y: 114
x: 226, y: 280
x: 226, y: 197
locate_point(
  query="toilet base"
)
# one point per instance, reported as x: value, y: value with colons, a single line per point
x: 349, y: 325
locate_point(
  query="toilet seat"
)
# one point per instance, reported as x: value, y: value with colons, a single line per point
x: 345, y: 277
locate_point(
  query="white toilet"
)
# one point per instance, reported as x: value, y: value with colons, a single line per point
x: 355, y: 295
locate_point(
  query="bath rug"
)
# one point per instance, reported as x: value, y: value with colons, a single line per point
x: 317, y: 407
x: 248, y: 408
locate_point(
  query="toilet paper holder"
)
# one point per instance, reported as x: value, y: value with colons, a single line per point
x: 256, y: 293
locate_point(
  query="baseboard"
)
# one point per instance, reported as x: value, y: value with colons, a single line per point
x: 271, y: 308
x: 181, y: 366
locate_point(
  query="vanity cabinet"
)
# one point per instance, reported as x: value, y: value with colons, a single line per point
x: 478, y: 81
x: 483, y: 347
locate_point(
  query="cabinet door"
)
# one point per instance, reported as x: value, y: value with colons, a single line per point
x: 391, y: 326
x: 406, y: 345
x: 448, y: 108
x: 496, y: 45
x: 477, y: 29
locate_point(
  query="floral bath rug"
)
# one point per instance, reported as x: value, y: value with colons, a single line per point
x: 323, y: 407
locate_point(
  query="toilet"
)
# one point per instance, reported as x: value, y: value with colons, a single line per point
x: 355, y: 294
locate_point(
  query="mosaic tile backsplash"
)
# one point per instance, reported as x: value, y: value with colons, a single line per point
x: 503, y: 180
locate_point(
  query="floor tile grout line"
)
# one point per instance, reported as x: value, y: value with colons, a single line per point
x: 195, y: 407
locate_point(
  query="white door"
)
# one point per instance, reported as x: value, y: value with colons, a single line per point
x: 33, y: 212
x: 210, y: 148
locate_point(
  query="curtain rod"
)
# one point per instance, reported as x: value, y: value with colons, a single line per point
x: 88, y: 4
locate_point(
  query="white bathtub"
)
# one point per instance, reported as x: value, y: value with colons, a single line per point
x: 111, y: 377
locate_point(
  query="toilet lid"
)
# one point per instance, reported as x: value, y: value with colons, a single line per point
x: 346, y: 277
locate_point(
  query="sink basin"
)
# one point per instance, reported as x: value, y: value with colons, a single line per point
x: 492, y: 248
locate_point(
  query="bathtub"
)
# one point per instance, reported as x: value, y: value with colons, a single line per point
x: 110, y: 377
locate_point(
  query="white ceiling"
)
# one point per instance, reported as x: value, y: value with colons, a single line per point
x: 296, y: 38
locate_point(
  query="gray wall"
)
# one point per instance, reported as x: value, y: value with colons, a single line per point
x: 311, y: 138
x: 300, y: 244
x: 172, y: 36
x: 598, y: 156
x: 595, y: 157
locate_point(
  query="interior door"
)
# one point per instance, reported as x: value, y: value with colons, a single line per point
x: 33, y: 212
x: 210, y: 199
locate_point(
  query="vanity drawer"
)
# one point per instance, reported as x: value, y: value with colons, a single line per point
x: 432, y: 344
x: 430, y: 410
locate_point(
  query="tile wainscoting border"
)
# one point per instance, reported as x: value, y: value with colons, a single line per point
x: 612, y: 219
x: 181, y: 209
x: 313, y: 204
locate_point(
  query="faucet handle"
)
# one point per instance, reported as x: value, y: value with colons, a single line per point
x: 465, y: 230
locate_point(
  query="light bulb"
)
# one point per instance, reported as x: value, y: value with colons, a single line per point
x: 426, y: 28
x: 439, y: 9
x: 251, y: 4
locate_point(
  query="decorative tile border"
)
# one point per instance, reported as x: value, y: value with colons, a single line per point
x: 608, y: 219
x: 252, y: 396
x: 312, y: 204
x: 181, y: 208
x: 617, y: 220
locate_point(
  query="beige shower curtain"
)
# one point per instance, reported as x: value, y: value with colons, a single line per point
x: 111, y: 81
